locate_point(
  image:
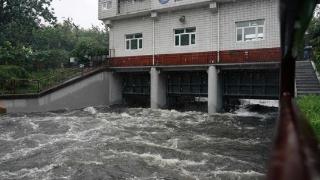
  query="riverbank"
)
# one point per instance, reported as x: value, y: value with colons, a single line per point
x: 310, y: 106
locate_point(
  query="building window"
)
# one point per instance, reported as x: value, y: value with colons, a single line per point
x: 250, y: 30
x: 106, y: 4
x: 185, y: 37
x: 134, y: 41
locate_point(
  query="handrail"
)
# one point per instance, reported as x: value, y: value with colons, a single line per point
x: 295, y: 155
x: 35, y: 86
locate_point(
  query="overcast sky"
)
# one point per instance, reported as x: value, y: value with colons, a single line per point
x: 83, y: 12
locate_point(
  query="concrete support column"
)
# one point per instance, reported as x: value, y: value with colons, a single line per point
x: 214, y: 91
x: 115, y: 88
x: 158, y: 89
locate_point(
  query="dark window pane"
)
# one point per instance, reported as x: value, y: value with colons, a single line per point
x: 193, y: 39
x: 134, y: 44
x: 185, y: 39
x: 239, y: 35
x: 260, y: 22
x: 242, y: 24
x: 179, y: 31
x: 140, y: 43
x: 130, y: 36
x: 128, y: 44
x: 177, y: 39
x: 188, y: 30
x: 138, y: 35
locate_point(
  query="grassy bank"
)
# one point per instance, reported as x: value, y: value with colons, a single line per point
x: 310, y: 106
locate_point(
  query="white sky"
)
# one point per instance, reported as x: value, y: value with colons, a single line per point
x: 83, y: 12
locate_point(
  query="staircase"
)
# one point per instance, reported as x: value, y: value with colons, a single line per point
x: 306, y: 79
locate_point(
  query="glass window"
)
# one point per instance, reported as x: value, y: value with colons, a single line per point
x: 106, y: 4
x: 249, y: 34
x: 134, y: 44
x: 188, y: 30
x: 193, y: 39
x: 239, y: 34
x: 177, y: 39
x: 250, y: 30
x: 134, y: 41
x: 179, y: 31
x: 140, y: 43
x: 185, y: 37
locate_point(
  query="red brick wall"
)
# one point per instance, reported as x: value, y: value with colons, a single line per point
x: 233, y: 56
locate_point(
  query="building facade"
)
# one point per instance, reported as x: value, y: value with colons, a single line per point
x: 177, y: 32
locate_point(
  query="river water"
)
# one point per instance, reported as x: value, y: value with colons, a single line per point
x: 135, y: 144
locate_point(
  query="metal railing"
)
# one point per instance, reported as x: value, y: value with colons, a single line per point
x: 131, y: 6
x: 35, y: 86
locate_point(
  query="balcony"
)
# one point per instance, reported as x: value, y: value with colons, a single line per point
x: 133, y: 6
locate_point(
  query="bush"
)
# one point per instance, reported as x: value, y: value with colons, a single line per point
x: 310, y: 106
x: 50, y: 59
x: 13, y: 72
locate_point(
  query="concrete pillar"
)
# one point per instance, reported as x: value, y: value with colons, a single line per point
x: 115, y: 88
x: 214, y: 91
x: 158, y: 89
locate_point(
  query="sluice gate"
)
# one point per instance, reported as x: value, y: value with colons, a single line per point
x: 136, y: 89
x: 187, y: 89
x: 251, y: 84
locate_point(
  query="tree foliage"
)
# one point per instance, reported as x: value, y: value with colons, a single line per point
x: 312, y: 37
x: 31, y: 38
x: 19, y: 18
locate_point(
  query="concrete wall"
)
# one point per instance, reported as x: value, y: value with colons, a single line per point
x: 230, y: 13
x: 93, y: 91
x: 206, y: 23
x: 104, y: 13
x: 130, y: 26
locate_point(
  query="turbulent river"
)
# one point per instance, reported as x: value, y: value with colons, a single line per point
x: 135, y: 144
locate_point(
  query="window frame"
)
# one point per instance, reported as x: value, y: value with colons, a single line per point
x: 250, y: 26
x: 105, y: 6
x: 185, y: 33
x: 139, y: 41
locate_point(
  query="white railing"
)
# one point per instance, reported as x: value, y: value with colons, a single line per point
x: 132, y: 6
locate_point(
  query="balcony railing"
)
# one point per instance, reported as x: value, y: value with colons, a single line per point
x: 133, y: 6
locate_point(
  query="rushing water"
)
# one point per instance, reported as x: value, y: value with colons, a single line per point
x: 134, y: 144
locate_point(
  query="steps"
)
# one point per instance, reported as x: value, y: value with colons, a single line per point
x: 306, y: 79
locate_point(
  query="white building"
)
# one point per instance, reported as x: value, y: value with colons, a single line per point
x: 159, y: 32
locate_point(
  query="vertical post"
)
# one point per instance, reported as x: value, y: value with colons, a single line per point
x: 38, y: 86
x: 214, y: 96
x: 153, y: 41
x: 158, y: 89
x: 115, y: 88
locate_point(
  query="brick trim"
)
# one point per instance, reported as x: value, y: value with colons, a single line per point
x: 230, y: 56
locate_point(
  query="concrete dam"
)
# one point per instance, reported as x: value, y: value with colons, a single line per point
x: 212, y: 87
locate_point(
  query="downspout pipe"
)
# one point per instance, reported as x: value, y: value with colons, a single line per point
x: 218, y: 27
x: 153, y: 41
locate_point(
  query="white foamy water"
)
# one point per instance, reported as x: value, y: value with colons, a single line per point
x: 104, y: 143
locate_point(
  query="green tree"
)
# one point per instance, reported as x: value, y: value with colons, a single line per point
x: 312, y: 37
x: 18, y: 18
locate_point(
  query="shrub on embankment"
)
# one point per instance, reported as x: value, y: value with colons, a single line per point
x: 13, y: 72
x: 310, y: 106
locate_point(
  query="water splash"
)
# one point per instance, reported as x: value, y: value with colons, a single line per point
x: 134, y: 143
